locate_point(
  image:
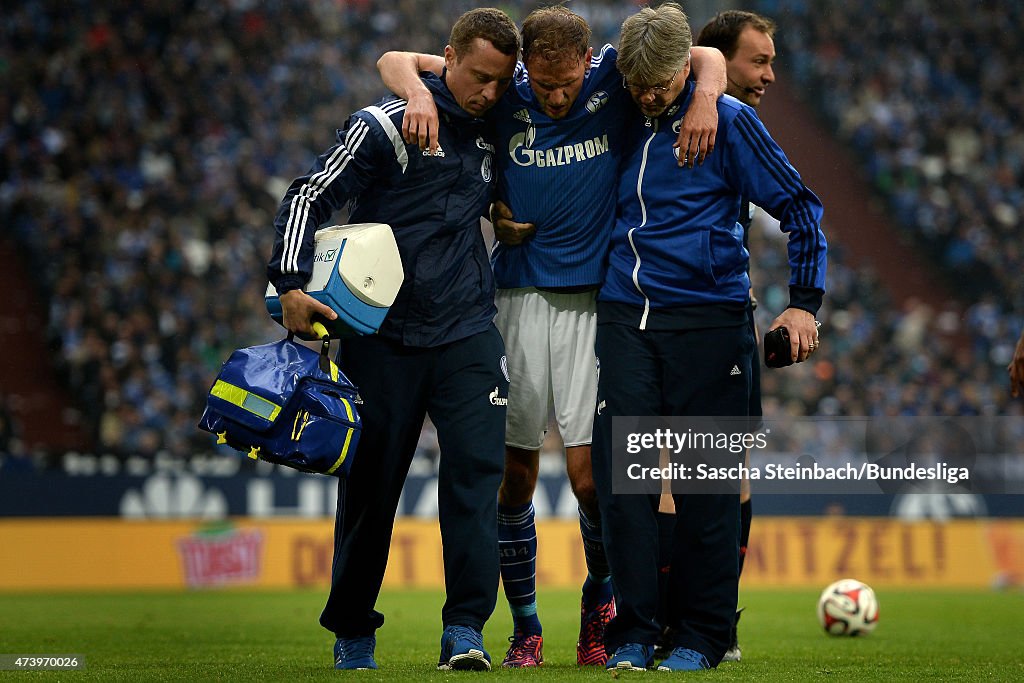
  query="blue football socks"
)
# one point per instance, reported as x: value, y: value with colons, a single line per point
x: 517, y: 545
x: 597, y: 588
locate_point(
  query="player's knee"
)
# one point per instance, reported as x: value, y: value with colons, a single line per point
x: 517, y: 484
x: 586, y: 493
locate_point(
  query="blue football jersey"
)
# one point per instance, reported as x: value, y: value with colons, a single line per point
x: 561, y: 175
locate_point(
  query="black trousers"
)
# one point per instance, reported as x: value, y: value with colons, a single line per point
x: 755, y: 369
x: 688, y: 373
x: 463, y: 388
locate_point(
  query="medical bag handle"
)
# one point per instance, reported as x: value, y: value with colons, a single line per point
x: 325, y: 348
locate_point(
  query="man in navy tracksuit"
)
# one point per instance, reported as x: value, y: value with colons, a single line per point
x: 437, y: 351
x: 673, y: 336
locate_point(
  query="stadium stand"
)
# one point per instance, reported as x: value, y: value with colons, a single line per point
x: 935, y: 115
x: 144, y: 147
x: 924, y: 95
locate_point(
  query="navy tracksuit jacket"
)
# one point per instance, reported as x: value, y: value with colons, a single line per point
x: 436, y: 353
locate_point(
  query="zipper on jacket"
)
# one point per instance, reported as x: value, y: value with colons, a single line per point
x: 653, y: 125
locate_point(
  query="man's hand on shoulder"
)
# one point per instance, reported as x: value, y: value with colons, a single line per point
x: 400, y: 72
x: 696, y: 137
x: 420, y: 123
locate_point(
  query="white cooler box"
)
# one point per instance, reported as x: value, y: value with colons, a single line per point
x: 357, y: 271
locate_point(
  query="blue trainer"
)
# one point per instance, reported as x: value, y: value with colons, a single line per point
x: 462, y: 649
x: 632, y: 656
x: 355, y: 653
x: 684, y: 659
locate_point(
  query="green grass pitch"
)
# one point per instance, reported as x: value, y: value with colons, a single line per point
x: 240, y: 635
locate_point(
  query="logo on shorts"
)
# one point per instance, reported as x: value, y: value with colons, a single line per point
x: 497, y: 400
x: 504, y: 367
x: 601, y: 406
x: 735, y: 371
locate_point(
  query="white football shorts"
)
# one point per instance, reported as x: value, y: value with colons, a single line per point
x: 549, y: 341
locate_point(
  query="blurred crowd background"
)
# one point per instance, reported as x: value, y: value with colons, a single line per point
x: 925, y: 95
x: 144, y: 147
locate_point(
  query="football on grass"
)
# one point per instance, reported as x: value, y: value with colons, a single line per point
x: 848, y: 608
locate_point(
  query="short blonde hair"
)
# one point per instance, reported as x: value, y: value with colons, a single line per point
x: 555, y: 34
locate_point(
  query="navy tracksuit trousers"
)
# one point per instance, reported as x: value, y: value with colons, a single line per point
x: 670, y: 372
x: 462, y: 387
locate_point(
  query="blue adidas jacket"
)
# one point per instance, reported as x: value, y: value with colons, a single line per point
x: 433, y: 204
x: 676, y: 243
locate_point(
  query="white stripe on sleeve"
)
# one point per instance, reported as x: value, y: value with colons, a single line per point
x: 298, y: 212
x: 392, y: 132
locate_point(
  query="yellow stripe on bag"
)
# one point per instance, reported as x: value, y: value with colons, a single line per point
x: 297, y: 428
x: 257, y: 405
x: 348, y: 439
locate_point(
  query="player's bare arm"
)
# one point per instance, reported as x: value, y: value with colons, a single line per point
x: 1016, y: 369
x: 506, y: 230
x: 697, y: 135
x: 400, y: 73
x: 803, y: 332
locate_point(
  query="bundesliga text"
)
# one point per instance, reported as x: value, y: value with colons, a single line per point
x: 865, y: 471
x: 817, y: 455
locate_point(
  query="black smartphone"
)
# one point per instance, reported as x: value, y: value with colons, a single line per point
x: 777, y: 352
